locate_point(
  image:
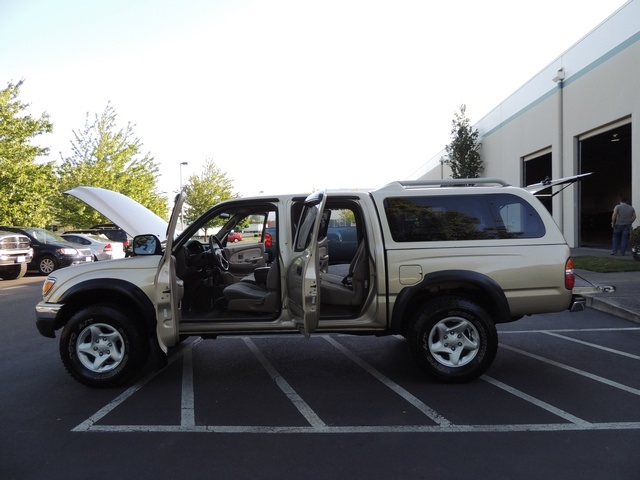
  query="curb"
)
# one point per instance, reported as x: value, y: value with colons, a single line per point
x: 607, y: 307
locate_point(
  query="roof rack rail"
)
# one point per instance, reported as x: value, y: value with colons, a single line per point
x: 446, y: 182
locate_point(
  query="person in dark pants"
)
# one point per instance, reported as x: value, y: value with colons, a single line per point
x: 623, y: 217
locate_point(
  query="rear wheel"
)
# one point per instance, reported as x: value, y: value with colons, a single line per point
x: 47, y: 264
x: 453, y: 339
x: 101, y: 347
x: 13, y: 272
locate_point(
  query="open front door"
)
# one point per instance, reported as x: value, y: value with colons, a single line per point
x: 303, y: 273
x: 168, y: 288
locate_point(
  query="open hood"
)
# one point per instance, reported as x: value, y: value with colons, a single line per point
x: 126, y: 213
x: 535, y: 188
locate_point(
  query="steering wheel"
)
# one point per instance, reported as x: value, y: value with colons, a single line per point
x: 194, y: 254
x: 219, y: 255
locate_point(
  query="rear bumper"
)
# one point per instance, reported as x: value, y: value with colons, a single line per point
x: 578, y: 303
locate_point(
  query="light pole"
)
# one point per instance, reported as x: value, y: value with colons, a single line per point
x: 181, y: 164
x: 181, y: 220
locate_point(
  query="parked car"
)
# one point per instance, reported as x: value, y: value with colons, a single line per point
x: 101, y: 247
x: 270, y: 240
x: 111, y: 231
x: 51, y: 251
x: 234, y: 236
x: 440, y: 263
x: 15, y: 253
x: 343, y: 243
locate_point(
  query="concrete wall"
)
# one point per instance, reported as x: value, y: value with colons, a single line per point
x: 600, y: 89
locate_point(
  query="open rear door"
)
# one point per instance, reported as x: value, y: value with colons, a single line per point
x: 303, y: 273
x: 548, y: 184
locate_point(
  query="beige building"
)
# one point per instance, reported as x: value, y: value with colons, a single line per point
x: 579, y: 114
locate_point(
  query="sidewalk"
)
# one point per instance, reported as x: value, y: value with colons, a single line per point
x: 625, y: 301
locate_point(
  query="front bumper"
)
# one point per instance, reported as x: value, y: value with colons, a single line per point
x: 46, y: 315
x: 8, y: 260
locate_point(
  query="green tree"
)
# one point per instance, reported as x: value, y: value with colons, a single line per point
x: 26, y: 186
x: 203, y: 191
x: 108, y: 157
x: 463, y: 153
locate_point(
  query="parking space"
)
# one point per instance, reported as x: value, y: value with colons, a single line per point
x: 560, y: 401
x: 544, y: 379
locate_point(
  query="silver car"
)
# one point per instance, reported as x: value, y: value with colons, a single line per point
x: 101, y: 247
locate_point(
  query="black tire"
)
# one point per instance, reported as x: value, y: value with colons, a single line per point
x: 453, y: 339
x: 101, y: 347
x: 47, y: 264
x: 13, y: 272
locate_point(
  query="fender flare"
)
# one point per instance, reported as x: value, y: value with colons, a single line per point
x: 491, y: 290
x: 132, y: 292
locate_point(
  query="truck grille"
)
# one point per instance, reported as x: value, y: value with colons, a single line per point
x: 14, y: 243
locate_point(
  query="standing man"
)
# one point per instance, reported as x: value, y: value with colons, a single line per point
x: 623, y: 216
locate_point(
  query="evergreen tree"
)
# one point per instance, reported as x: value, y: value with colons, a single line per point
x: 463, y: 153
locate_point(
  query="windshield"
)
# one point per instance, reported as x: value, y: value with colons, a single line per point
x: 44, y: 236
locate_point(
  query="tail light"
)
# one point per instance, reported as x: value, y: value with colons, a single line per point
x: 108, y: 248
x: 569, y: 277
x: 268, y: 240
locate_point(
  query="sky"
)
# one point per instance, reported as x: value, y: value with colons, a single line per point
x: 285, y: 96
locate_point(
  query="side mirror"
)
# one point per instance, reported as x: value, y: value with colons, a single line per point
x: 147, y: 245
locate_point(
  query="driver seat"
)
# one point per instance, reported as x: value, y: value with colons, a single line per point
x: 253, y: 296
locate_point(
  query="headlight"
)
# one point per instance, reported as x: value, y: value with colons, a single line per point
x: 48, y: 285
x: 68, y: 251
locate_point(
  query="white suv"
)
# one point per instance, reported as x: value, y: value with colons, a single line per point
x: 440, y: 263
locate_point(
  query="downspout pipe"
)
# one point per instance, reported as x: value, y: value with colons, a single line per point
x: 559, y: 79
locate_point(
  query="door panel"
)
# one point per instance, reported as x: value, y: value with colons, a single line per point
x: 303, y: 270
x: 245, y: 258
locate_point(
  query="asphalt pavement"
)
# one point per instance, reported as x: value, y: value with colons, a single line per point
x: 624, y: 302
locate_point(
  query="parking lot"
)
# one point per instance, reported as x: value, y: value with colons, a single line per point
x: 342, y: 384
x: 561, y: 400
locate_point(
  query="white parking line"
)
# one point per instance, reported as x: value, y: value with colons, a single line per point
x: 536, y: 402
x: 12, y: 288
x: 288, y: 390
x: 316, y: 425
x: 569, y: 330
x: 89, y: 423
x: 590, y: 376
x: 593, y: 345
x: 187, y: 409
x: 430, y: 413
x: 535, y: 427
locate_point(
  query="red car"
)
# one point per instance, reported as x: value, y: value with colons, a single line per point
x: 234, y: 237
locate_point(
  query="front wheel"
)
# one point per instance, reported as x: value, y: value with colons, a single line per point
x: 453, y: 339
x: 101, y: 347
x: 13, y: 272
